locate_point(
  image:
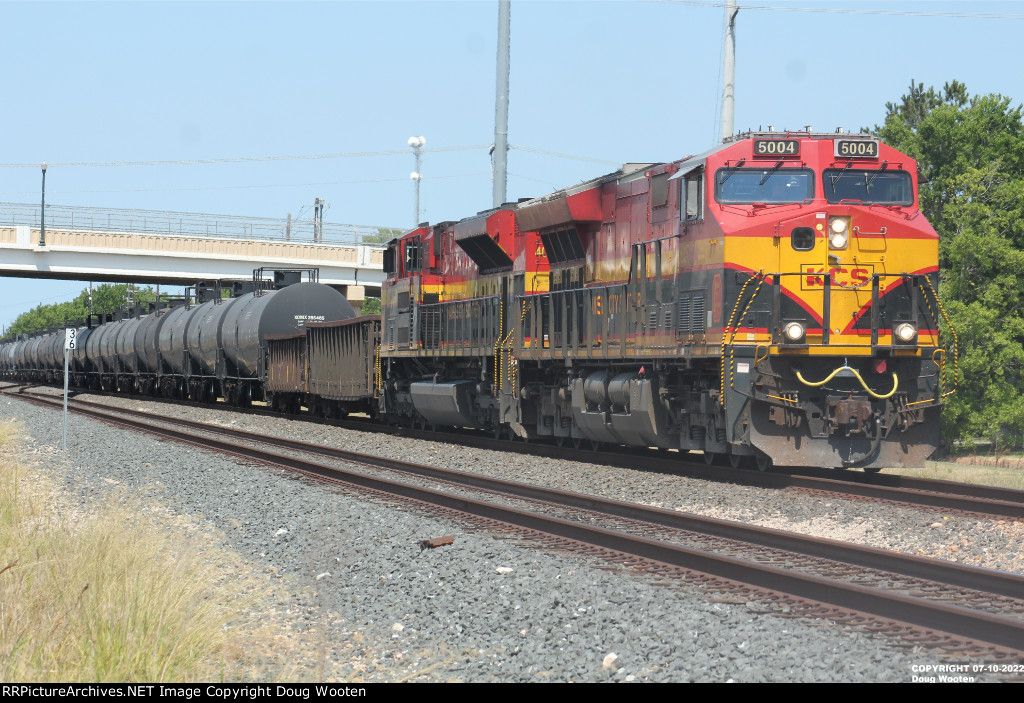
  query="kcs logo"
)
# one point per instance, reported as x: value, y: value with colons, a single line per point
x: 812, y: 277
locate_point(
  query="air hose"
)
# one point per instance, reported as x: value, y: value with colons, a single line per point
x: 895, y: 382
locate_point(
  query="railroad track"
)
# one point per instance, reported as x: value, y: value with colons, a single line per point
x: 948, y: 496
x: 950, y: 605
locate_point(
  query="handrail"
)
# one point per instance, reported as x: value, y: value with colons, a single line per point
x: 190, y: 224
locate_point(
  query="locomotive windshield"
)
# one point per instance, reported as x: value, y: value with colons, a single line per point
x: 868, y: 186
x: 763, y: 185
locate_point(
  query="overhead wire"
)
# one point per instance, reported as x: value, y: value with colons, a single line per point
x: 563, y: 155
x: 856, y: 11
x: 38, y: 301
x: 245, y: 159
x: 296, y: 157
x: 243, y: 187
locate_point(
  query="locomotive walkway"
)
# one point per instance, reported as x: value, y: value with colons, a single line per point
x: 145, y: 246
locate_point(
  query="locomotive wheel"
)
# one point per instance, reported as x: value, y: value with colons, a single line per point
x: 737, y: 461
x: 560, y: 441
x: 872, y: 470
x: 577, y: 442
x: 709, y: 457
x: 763, y: 461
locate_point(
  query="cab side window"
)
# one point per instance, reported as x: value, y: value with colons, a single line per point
x: 412, y: 255
x: 691, y: 196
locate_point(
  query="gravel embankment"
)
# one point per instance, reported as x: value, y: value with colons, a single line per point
x: 995, y: 544
x: 384, y: 609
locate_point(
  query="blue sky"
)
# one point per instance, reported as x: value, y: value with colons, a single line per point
x: 610, y: 81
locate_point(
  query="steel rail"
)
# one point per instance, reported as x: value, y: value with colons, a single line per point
x: 931, y: 493
x: 998, y: 630
x: 964, y: 576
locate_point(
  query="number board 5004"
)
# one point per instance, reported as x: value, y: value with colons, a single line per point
x: 862, y: 148
x: 776, y: 147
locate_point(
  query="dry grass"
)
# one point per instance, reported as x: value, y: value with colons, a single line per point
x: 119, y: 592
x: 969, y: 473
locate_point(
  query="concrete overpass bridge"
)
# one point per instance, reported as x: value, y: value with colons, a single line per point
x: 178, y: 248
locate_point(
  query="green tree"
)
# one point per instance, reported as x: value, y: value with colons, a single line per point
x: 382, y: 236
x: 970, y: 153
x: 371, y: 306
x: 106, y: 297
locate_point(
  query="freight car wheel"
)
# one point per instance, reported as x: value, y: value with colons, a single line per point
x: 737, y: 461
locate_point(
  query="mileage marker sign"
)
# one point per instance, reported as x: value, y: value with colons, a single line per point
x: 70, y: 339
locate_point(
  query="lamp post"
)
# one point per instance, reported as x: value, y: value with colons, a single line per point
x: 417, y: 148
x: 42, y: 212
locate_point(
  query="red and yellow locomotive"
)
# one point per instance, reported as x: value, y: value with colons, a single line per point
x: 774, y: 297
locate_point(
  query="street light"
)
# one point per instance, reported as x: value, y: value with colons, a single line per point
x: 42, y: 212
x: 417, y: 146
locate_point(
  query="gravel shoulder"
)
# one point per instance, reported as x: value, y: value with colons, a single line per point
x: 994, y: 544
x: 366, y: 603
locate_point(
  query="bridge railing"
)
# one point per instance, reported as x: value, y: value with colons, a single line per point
x: 191, y: 224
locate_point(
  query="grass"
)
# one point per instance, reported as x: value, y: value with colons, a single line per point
x: 965, y: 472
x: 121, y: 591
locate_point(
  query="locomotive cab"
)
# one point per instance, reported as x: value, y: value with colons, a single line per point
x: 773, y: 297
x: 832, y: 347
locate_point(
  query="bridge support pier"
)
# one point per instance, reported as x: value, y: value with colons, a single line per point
x: 355, y: 295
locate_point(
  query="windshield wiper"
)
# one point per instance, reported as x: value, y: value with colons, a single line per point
x: 728, y: 174
x: 836, y: 176
x: 885, y: 164
x: 768, y: 174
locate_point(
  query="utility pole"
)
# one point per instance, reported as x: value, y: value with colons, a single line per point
x: 318, y: 220
x: 729, y: 69
x: 417, y: 148
x: 288, y: 228
x: 500, y: 149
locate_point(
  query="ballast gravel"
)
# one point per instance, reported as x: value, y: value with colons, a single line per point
x: 484, y: 608
x: 977, y: 541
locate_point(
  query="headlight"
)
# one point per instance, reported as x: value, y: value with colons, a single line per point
x: 905, y: 332
x: 793, y: 331
x: 840, y: 236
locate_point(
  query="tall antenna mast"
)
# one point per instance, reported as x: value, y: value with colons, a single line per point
x: 500, y: 153
x: 729, y: 69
